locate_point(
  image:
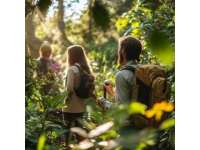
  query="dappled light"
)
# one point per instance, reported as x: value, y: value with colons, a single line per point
x: 99, y: 75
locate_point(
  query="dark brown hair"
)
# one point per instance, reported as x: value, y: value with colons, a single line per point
x: 132, y: 47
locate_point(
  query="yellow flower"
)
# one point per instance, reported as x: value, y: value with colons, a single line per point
x: 169, y: 107
x: 159, y: 115
x: 163, y: 104
x: 158, y: 109
x: 150, y: 113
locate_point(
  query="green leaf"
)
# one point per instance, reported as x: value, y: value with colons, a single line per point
x: 166, y: 55
x: 149, y: 15
x: 54, y: 102
x: 126, y: 141
x: 28, y: 84
x: 61, y: 106
x: 161, y: 47
x: 135, y: 24
x: 95, y: 115
x: 41, y: 142
x: 137, y: 32
x: 86, y: 124
x: 109, y: 134
x: 137, y: 108
x: 121, y: 23
x: 46, y: 99
x: 167, y: 124
x: 130, y: 138
x: 143, y: 9
x: 141, y: 146
x: 170, y: 24
x: 54, y: 134
x: 146, y: 1
x: 51, y: 124
x: 118, y: 148
x: 128, y: 32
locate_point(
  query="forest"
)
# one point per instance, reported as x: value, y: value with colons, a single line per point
x: 96, y: 25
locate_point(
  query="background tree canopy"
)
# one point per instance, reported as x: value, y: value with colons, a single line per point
x: 97, y: 27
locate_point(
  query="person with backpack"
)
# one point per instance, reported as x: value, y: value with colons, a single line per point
x: 44, y: 62
x: 129, y: 51
x: 78, y: 82
x: 146, y: 84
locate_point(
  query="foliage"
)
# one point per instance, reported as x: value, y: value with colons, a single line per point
x: 151, y: 21
x: 42, y: 121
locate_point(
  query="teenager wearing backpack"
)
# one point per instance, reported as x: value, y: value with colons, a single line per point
x: 146, y: 84
x: 78, y: 67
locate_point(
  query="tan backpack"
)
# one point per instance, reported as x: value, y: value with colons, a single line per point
x: 150, y: 86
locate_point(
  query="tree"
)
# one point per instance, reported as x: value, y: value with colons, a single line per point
x: 32, y: 42
x: 61, y: 24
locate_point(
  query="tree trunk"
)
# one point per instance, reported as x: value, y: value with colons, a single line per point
x: 26, y: 48
x: 61, y: 24
x: 31, y: 42
x: 90, y: 20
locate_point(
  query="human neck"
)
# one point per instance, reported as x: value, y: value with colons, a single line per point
x: 124, y: 62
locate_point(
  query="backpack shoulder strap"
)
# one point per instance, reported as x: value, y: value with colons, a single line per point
x: 135, y: 86
x: 128, y: 68
x: 79, y: 68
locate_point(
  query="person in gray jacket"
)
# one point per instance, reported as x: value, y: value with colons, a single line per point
x: 129, y: 50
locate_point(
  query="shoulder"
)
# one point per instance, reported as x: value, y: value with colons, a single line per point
x: 121, y: 75
x: 128, y: 71
x: 74, y: 69
x: 38, y: 60
x: 125, y: 73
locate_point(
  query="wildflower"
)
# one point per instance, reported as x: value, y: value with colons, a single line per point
x: 36, y: 105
